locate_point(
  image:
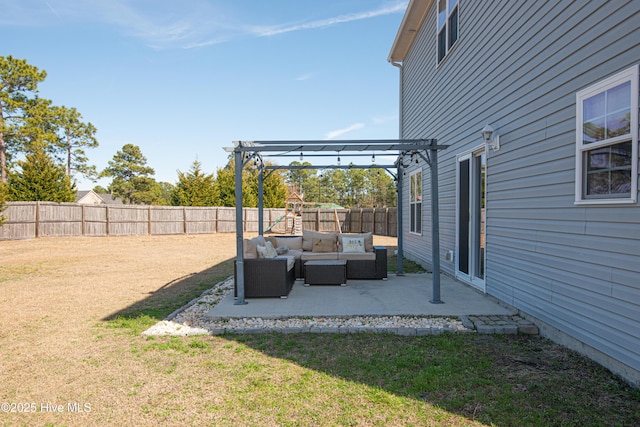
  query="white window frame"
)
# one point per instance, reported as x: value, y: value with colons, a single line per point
x: 443, y: 24
x: 629, y: 75
x: 415, y: 199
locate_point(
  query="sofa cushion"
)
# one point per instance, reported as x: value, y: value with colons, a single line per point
x: 357, y: 256
x: 368, y: 240
x: 295, y: 253
x: 308, y: 236
x: 324, y: 245
x: 291, y: 261
x: 294, y: 243
x: 308, y: 256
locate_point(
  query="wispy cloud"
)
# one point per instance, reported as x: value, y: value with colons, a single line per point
x: 307, y: 76
x: 266, y: 31
x: 383, y: 120
x: 165, y: 24
x: 52, y: 9
x: 168, y: 25
x: 339, y: 132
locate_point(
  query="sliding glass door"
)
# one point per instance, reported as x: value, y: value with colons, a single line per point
x: 470, y: 236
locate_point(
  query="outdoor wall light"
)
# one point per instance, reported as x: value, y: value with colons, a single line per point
x: 491, y: 139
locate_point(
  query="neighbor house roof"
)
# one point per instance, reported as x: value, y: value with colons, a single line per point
x: 413, y: 18
x: 91, y: 197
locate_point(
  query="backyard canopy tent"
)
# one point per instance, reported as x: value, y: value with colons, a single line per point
x: 427, y: 149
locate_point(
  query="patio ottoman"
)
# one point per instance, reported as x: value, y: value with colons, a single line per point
x: 325, y: 272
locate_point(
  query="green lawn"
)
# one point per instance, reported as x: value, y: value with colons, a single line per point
x: 371, y: 379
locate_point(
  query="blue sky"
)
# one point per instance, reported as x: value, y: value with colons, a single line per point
x: 183, y: 79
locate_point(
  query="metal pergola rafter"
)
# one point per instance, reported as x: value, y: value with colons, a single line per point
x: 427, y: 149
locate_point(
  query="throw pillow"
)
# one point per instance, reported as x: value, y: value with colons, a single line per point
x: 282, y: 250
x: 353, y: 244
x: 267, y: 251
x: 271, y: 251
x: 249, y: 247
x: 309, y: 235
x: 262, y: 251
x: 272, y: 239
x: 323, y: 245
x: 368, y: 240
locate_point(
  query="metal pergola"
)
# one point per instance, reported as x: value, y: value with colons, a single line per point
x: 426, y: 149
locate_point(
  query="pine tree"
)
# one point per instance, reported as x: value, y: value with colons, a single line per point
x: 132, y: 180
x: 29, y: 123
x: 40, y: 179
x: 195, y: 188
x: 73, y: 136
x: 275, y: 190
x: 18, y: 84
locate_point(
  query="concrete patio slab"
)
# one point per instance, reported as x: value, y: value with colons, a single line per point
x: 406, y: 295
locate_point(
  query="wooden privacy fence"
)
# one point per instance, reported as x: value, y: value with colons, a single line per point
x: 25, y: 220
x: 380, y: 221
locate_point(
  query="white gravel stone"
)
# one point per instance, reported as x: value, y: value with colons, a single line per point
x: 191, y: 320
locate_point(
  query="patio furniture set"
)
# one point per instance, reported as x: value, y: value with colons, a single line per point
x: 273, y: 263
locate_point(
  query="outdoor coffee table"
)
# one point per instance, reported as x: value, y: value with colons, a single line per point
x: 325, y: 272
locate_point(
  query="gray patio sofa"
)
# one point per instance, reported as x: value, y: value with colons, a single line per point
x: 274, y: 277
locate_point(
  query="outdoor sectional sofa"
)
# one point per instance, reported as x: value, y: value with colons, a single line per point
x: 269, y: 274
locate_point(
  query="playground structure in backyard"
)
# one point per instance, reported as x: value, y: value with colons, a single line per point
x: 293, y: 217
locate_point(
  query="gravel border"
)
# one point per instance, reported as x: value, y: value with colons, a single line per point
x: 191, y: 320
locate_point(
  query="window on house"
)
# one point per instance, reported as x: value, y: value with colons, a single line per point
x: 416, y: 203
x: 447, y: 26
x: 607, y: 140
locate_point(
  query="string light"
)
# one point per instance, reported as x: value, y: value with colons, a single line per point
x: 301, y: 156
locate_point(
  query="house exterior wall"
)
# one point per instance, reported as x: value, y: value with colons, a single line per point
x: 518, y: 65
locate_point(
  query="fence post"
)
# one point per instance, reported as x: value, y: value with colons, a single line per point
x: 386, y: 222
x: 149, y: 221
x: 184, y: 220
x: 82, y: 231
x: 37, y: 219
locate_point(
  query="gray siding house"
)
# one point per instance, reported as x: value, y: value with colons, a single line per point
x: 543, y: 212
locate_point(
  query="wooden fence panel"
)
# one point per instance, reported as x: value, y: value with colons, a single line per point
x: 128, y: 220
x: 27, y: 220
x: 250, y: 220
x: 20, y: 221
x: 355, y: 224
x: 59, y: 219
x: 226, y: 220
x: 201, y: 220
x: 367, y: 220
x: 167, y: 220
x: 94, y: 220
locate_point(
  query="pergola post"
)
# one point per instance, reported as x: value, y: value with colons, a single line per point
x: 435, y: 226
x: 239, y: 165
x: 260, y: 201
x: 400, y: 222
